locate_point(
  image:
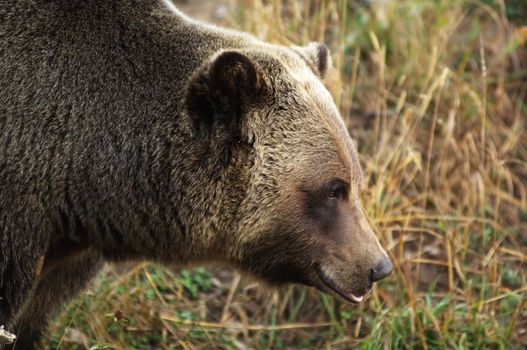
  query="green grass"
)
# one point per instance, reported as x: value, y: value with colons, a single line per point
x: 434, y: 93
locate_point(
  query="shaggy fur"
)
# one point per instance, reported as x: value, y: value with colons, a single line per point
x: 129, y: 131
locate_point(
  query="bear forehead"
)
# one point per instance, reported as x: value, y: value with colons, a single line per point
x: 312, y: 112
x: 347, y: 165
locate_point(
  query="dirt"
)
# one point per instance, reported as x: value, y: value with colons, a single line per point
x: 206, y: 10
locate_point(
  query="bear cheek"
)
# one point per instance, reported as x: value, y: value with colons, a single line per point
x: 282, y: 255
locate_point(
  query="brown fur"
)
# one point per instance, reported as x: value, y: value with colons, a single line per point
x: 128, y: 131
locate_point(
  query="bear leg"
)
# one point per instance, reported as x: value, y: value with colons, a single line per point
x: 22, y: 246
x: 55, y: 287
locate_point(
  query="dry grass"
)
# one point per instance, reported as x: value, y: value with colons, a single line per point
x: 434, y: 92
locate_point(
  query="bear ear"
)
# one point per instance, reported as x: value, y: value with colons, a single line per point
x: 220, y: 92
x: 317, y: 55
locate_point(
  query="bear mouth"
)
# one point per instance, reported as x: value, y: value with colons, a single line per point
x: 329, y: 283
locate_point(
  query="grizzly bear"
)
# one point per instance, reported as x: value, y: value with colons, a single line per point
x: 129, y: 131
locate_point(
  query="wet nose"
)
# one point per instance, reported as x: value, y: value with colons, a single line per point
x: 382, y: 270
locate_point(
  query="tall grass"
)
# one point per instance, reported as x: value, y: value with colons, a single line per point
x: 434, y: 93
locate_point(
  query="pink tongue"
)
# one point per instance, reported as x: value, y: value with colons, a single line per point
x: 355, y: 298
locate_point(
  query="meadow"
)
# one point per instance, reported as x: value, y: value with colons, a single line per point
x: 434, y: 93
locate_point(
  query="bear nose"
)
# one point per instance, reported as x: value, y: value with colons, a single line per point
x: 382, y: 270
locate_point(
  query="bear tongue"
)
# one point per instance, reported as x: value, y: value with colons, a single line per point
x: 355, y: 298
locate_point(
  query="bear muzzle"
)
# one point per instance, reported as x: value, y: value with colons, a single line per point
x: 331, y: 284
x: 354, y: 287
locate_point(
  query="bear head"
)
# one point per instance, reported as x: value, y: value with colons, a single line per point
x: 297, y: 217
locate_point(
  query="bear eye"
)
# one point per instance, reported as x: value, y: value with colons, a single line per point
x: 337, y: 190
